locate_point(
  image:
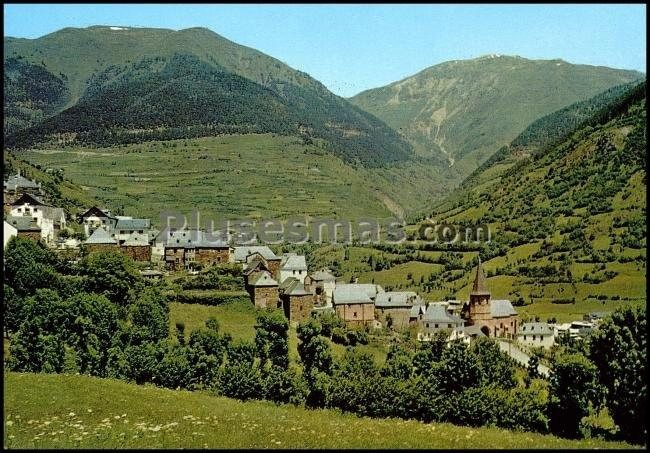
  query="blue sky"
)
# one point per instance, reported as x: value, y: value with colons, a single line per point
x: 351, y: 48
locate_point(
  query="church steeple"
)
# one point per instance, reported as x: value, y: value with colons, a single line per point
x: 479, y: 288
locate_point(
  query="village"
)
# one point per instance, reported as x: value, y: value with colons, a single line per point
x: 281, y: 281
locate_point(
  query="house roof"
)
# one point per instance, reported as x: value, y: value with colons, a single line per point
x: 437, y: 312
x: 191, y: 239
x: 263, y: 279
x: 479, y: 287
x: 27, y: 198
x: 23, y: 223
x: 323, y: 275
x: 97, y: 212
x: 18, y: 181
x: 417, y: 310
x: 100, y: 236
x: 396, y: 299
x: 535, y: 328
x: 355, y: 293
x: 472, y: 331
x: 501, y: 308
x: 291, y: 261
x: 132, y: 224
x: 293, y: 287
x: 240, y: 253
x: 137, y: 240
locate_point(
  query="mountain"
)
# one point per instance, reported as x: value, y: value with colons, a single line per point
x: 569, y: 220
x: 111, y: 85
x: 465, y: 110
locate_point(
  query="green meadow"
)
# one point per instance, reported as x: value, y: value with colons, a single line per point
x: 66, y: 411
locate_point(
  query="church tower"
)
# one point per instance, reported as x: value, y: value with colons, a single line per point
x: 479, y: 299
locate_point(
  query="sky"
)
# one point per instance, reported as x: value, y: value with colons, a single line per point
x: 351, y: 48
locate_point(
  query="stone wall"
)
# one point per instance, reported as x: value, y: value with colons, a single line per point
x: 274, y: 268
x: 399, y: 316
x: 137, y: 252
x: 34, y: 235
x: 92, y: 248
x: 297, y: 308
x: 265, y: 296
x: 172, y: 255
x: 355, y: 314
x: 208, y: 257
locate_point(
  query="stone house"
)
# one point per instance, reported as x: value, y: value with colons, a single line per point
x: 536, y: 334
x: 263, y: 290
x: 495, y: 318
x: 137, y: 248
x: 99, y: 241
x: 297, y: 301
x: 321, y: 283
x: 293, y: 265
x: 243, y: 255
x: 22, y: 227
x: 436, y: 318
x: 50, y: 219
x: 184, y: 248
x: 393, y: 309
x: 355, y: 303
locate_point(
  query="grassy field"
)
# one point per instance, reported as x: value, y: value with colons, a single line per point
x: 236, y: 318
x: 64, y: 411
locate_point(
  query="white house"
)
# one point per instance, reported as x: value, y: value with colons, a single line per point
x: 436, y: 318
x: 49, y: 218
x: 536, y: 334
x: 96, y: 217
x: 130, y: 229
x: 8, y: 231
x: 292, y: 265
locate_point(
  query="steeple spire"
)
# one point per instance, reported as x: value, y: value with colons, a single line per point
x: 479, y: 287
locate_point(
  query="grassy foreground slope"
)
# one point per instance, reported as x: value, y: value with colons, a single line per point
x: 64, y: 411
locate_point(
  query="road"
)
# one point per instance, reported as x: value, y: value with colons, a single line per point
x: 521, y: 357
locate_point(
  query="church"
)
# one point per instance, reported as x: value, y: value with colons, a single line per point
x: 494, y: 317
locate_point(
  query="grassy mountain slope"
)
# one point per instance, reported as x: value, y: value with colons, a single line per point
x: 545, y: 132
x: 135, y: 78
x: 568, y: 227
x: 65, y: 411
x: 466, y: 110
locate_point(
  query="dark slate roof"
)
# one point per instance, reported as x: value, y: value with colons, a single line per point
x: 472, y: 331
x: 100, y: 236
x: 132, y: 224
x: 191, y: 239
x: 263, y: 279
x: 292, y: 261
x: 479, y: 287
x: 535, y: 328
x: 27, y: 198
x: 437, y: 312
x: 97, y: 212
x: 355, y: 293
x: 241, y: 253
x: 17, y: 181
x: 395, y: 299
x: 417, y: 310
x: 291, y: 286
x: 501, y: 308
x: 323, y: 276
x: 23, y: 223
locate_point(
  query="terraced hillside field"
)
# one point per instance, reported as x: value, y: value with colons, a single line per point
x: 236, y: 176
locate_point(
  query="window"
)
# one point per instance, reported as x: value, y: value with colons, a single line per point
x: 354, y: 314
x: 524, y: 337
x: 533, y: 337
x: 436, y: 326
x: 449, y: 325
x: 427, y: 324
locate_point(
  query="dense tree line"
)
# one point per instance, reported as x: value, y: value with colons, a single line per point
x: 100, y: 318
